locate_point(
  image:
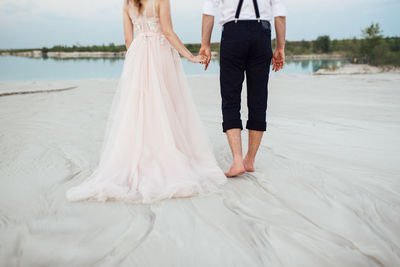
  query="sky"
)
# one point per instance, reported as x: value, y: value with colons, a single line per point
x: 38, y: 23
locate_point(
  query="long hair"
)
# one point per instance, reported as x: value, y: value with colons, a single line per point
x: 138, y: 4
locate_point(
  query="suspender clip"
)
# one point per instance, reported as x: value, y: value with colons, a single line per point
x: 239, y: 7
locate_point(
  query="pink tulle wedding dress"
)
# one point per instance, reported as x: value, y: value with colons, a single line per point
x: 154, y: 146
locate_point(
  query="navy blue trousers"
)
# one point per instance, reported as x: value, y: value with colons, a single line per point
x: 245, y: 48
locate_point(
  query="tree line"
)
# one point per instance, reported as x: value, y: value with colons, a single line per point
x: 373, y: 48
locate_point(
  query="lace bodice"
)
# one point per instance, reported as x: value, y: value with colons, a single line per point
x: 147, y: 25
x: 145, y: 22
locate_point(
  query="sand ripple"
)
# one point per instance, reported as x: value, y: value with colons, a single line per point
x: 326, y: 191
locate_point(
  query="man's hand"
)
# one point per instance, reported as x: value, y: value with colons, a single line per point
x: 206, y: 51
x: 278, y: 59
x: 206, y: 30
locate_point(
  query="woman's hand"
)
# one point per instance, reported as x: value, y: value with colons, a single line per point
x: 198, y: 59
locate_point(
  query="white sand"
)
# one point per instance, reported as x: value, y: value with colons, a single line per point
x: 348, y: 69
x: 326, y: 191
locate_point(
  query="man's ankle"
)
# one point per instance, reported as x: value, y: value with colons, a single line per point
x: 249, y: 158
x: 238, y: 160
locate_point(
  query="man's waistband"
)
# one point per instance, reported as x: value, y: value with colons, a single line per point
x: 247, y: 22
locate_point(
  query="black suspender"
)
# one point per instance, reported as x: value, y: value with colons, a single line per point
x: 256, y: 9
x: 239, y: 7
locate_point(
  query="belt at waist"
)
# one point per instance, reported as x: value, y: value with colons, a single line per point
x: 247, y: 23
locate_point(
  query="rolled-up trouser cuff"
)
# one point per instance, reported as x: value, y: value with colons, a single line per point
x: 256, y: 125
x: 226, y: 125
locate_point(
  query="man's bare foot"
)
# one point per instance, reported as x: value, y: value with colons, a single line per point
x: 235, y: 170
x: 248, y: 165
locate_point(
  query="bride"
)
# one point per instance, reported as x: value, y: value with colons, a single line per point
x: 154, y: 146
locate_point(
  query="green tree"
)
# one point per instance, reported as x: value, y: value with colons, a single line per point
x: 372, y: 32
x: 334, y: 45
x: 322, y: 44
x: 289, y: 48
x: 373, y: 48
x: 305, y: 46
x: 45, y: 50
x: 393, y: 43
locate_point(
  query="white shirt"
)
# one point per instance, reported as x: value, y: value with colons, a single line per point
x: 268, y: 9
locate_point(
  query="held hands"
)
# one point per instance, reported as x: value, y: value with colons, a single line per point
x: 278, y: 60
x: 198, y: 59
x: 204, y: 57
x: 206, y: 51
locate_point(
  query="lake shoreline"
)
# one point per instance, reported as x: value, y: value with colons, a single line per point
x: 40, y: 54
x: 95, y: 65
x: 88, y: 54
x: 357, y: 69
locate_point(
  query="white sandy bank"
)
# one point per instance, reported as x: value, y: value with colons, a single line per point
x: 348, y: 69
x: 326, y: 191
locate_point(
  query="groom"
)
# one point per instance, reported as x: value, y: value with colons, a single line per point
x: 245, y: 48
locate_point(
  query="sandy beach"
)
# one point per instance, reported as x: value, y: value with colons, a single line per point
x: 326, y: 191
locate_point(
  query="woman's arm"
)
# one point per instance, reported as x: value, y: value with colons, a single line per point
x: 173, y: 39
x: 128, y: 26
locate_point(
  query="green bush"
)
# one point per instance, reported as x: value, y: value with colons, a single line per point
x: 322, y: 44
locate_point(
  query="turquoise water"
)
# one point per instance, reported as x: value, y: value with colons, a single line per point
x: 22, y: 68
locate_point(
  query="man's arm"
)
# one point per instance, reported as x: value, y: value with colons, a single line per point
x: 210, y: 9
x: 278, y: 59
x: 206, y: 31
x: 279, y: 13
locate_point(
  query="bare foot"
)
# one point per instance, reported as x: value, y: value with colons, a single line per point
x: 248, y: 165
x: 235, y: 170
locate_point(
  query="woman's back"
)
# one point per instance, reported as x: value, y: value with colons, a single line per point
x: 148, y: 9
x: 148, y: 19
x: 153, y: 18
